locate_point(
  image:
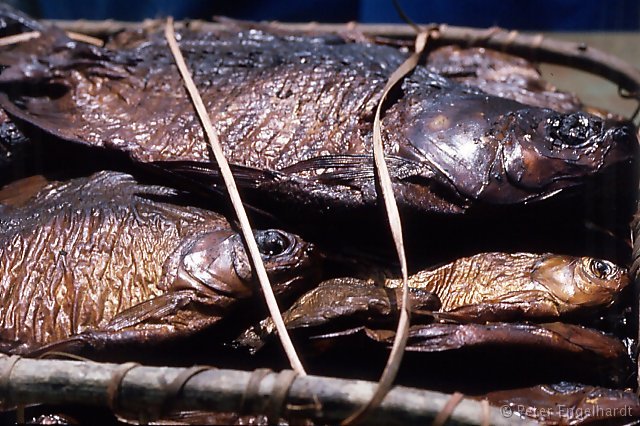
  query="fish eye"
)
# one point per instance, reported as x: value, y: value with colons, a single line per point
x: 272, y: 243
x: 600, y: 268
x: 572, y: 130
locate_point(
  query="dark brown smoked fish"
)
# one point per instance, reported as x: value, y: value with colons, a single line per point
x: 569, y: 404
x: 475, y: 357
x: 105, y: 261
x: 295, y: 116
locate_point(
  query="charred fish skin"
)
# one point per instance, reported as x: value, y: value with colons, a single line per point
x: 106, y: 261
x: 298, y: 111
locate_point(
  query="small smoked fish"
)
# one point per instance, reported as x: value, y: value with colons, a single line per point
x: 105, y: 260
x: 476, y: 357
x: 294, y: 113
x: 505, y: 286
x: 485, y: 287
x: 569, y: 404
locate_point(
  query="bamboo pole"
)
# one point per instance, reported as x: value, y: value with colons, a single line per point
x: 142, y: 393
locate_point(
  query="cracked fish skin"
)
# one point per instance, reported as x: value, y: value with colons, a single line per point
x: 295, y: 116
x: 508, y: 286
x: 102, y: 260
x: 480, y: 288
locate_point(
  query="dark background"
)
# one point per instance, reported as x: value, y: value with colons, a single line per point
x: 551, y: 15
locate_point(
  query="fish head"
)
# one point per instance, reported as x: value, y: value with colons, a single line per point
x: 580, y: 281
x: 545, y: 151
x: 217, y: 263
x: 499, y: 151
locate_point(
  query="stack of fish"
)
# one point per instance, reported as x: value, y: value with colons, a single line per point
x: 122, y: 246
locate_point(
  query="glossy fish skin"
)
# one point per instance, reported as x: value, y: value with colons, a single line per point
x: 105, y: 261
x: 296, y: 112
x: 569, y: 404
x: 504, y: 286
x: 485, y: 287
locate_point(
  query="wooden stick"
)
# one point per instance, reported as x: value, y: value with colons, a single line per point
x: 85, y: 38
x: 234, y: 195
x: 142, y: 391
x: 22, y: 37
x: 19, y: 38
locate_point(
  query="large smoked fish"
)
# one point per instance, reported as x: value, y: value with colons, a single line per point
x: 295, y: 114
x: 106, y: 261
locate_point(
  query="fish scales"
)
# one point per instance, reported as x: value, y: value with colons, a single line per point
x: 295, y: 115
x: 491, y: 285
x: 106, y: 261
x: 469, y: 281
x: 45, y: 296
x: 242, y: 77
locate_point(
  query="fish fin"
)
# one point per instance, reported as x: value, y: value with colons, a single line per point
x: 205, y: 179
x: 340, y: 333
x: 154, y: 309
x: 202, y: 172
x: 151, y: 321
x: 99, y: 341
x: 349, y: 169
